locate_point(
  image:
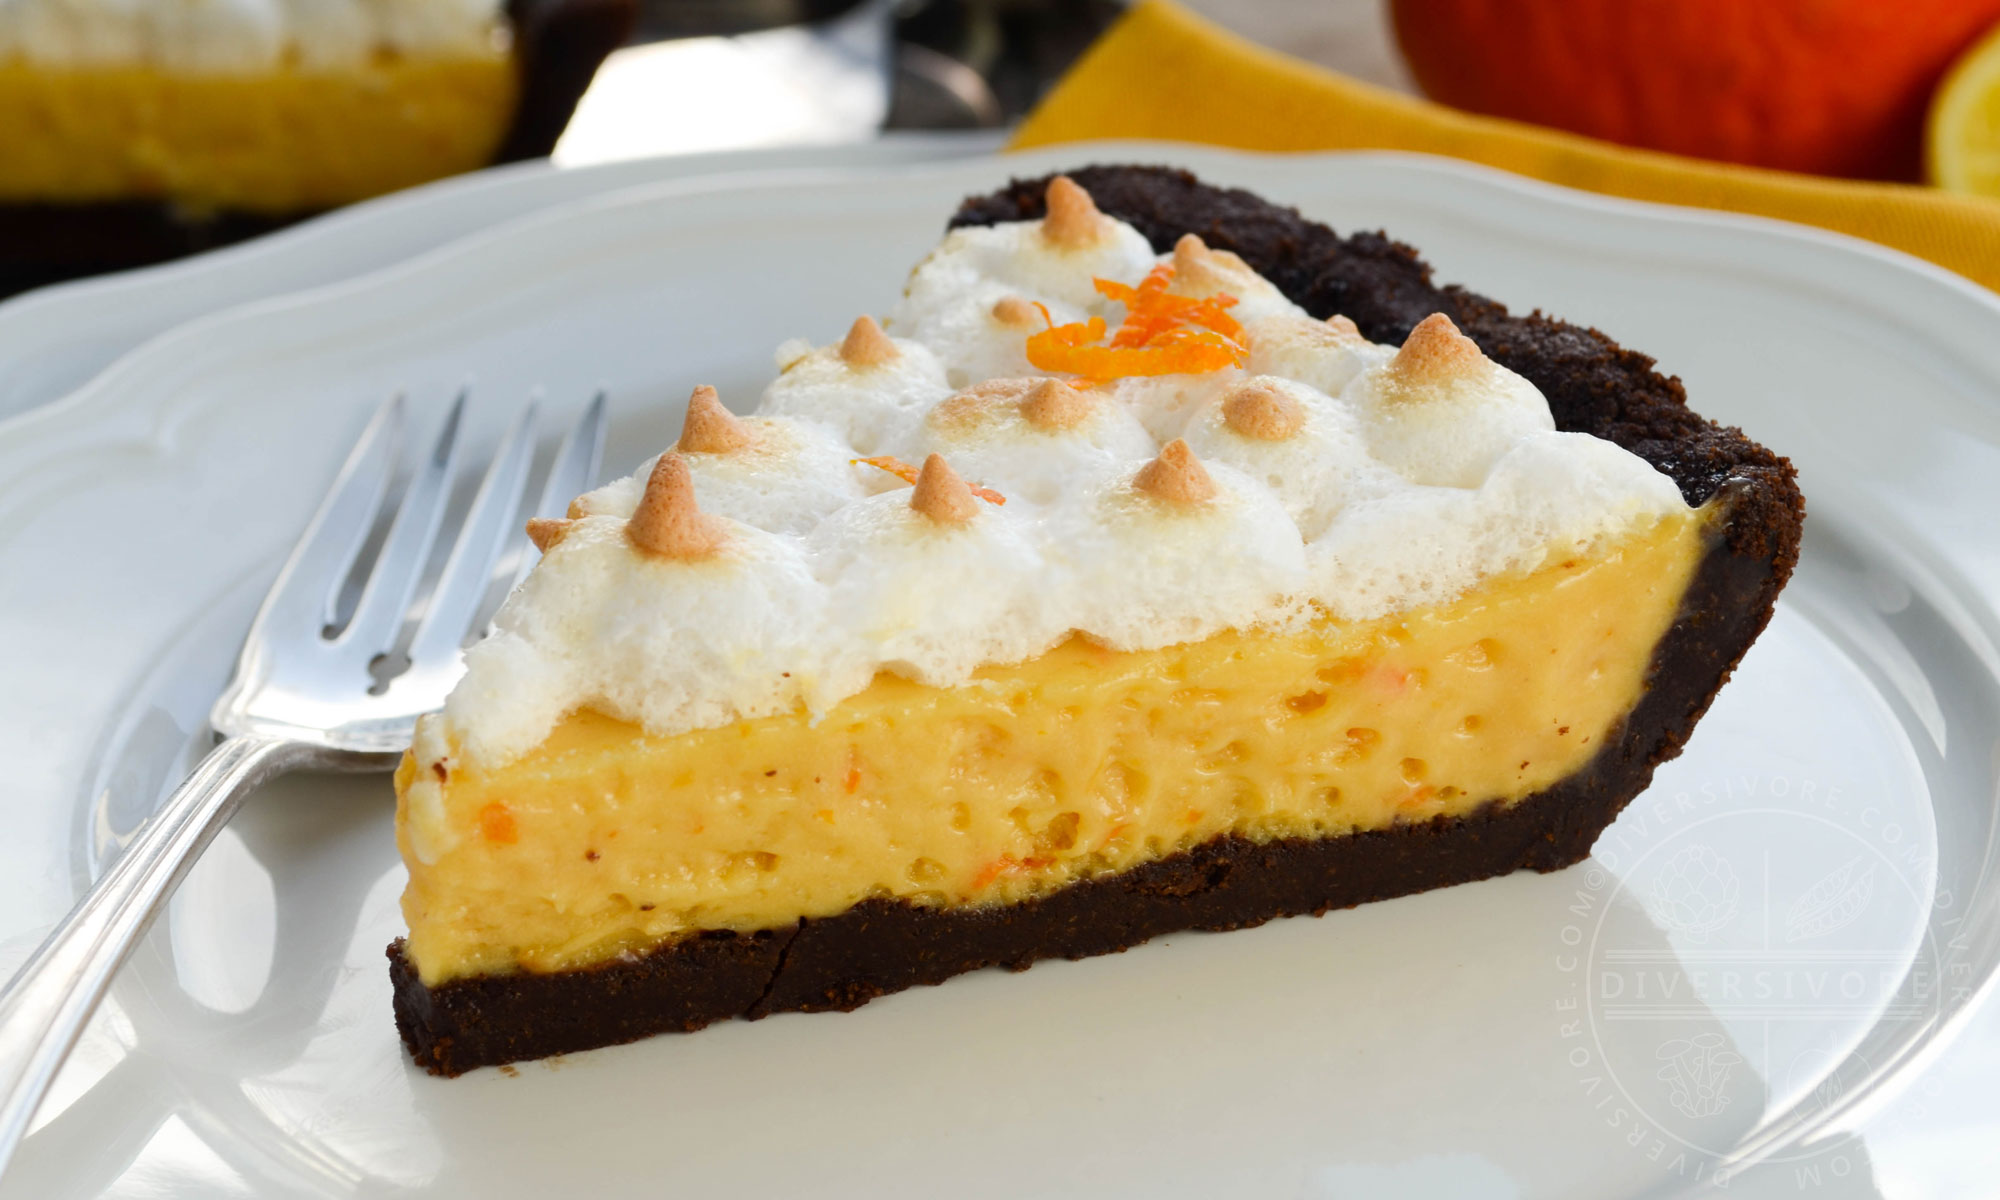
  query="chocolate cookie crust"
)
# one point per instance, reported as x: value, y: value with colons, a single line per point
x: 878, y: 947
x: 558, y: 45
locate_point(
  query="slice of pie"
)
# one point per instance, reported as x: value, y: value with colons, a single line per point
x: 138, y: 131
x: 1170, y: 562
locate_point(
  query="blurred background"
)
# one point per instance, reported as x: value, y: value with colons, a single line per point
x: 137, y: 131
x: 775, y: 72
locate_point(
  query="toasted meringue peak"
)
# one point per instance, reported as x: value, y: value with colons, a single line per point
x: 1176, y: 476
x: 1344, y: 325
x: 1014, y: 312
x: 546, y: 532
x: 866, y: 345
x: 1053, y: 406
x: 941, y: 495
x: 667, y: 523
x: 1200, y: 269
x: 1435, y: 352
x: 1073, y: 221
x: 1258, y: 410
x: 579, y: 507
x: 711, y: 428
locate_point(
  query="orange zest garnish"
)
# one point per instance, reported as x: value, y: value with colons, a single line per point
x: 1417, y: 795
x: 496, y: 824
x: 1006, y: 864
x: 1162, y: 334
x: 890, y: 463
x: 994, y: 870
x: 1151, y: 310
x: 908, y: 474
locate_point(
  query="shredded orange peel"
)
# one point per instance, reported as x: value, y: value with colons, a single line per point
x: 1162, y: 334
x: 908, y: 474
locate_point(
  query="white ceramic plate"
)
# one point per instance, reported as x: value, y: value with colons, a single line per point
x: 56, y: 338
x: 1767, y: 944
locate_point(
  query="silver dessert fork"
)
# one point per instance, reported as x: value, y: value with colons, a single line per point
x: 312, y: 690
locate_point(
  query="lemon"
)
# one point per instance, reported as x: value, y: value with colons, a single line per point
x: 1963, y: 141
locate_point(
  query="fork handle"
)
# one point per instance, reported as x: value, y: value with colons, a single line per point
x: 44, y: 1007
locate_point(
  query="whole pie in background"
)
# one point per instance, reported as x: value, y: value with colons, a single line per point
x: 135, y: 133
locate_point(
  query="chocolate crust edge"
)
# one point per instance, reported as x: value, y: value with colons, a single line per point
x: 559, y: 45
x: 879, y: 947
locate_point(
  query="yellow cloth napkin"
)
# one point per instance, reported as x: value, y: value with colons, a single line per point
x: 1162, y: 72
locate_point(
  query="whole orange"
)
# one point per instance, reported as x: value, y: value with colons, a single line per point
x: 1834, y: 87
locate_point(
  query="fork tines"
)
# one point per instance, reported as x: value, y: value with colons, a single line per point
x: 363, y: 576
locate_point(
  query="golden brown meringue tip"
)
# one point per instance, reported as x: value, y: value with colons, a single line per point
x: 941, y: 495
x: 667, y: 524
x: 1345, y: 327
x: 1191, y: 253
x: 1015, y: 313
x: 547, y: 532
x: 1436, y: 351
x: 866, y: 345
x: 1264, y: 413
x: 1199, y: 267
x: 1176, y: 476
x: 577, y: 509
x: 1053, y: 406
x: 710, y: 428
x: 1073, y: 221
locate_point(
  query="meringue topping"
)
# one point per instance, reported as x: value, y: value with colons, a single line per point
x: 941, y: 495
x: 867, y: 346
x: 1317, y: 468
x: 1326, y: 355
x: 1258, y: 410
x: 1200, y: 270
x: 1278, y: 334
x: 236, y: 37
x: 667, y: 523
x: 546, y: 532
x: 1073, y: 221
x: 1034, y: 439
x: 1440, y: 412
x: 966, y: 410
x: 1176, y: 476
x: 1053, y: 406
x: 711, y: 428
x: 1325, y: 472
x: 1436, y: 352
x: 1016, y: 313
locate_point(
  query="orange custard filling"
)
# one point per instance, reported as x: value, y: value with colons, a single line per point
x: 284, y: 141
x: 605, y: 840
